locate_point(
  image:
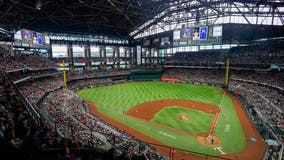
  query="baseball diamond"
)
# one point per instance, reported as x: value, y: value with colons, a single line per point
x: 157, y: 106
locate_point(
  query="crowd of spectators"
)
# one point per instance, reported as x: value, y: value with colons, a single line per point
x: 95, y: 73
x: 34, y: 90
x: 270, y: 78
x: 253, y: 57
x: 20, y: 137
x: 66, y: 111
x: 2, y: 89
x: 25, y: 61
x: 273, y: 96
x: 33, y: 61
x: 256, y: 95
x: 63, y: 109
x: 35, y: 73
x: 71, y: 117
x: 198, y: 75
x: 10, y: 65
x: 195, y: 58
x: 269, y: 54
x: 88, y: 82
x: 273, y: 78
x: 272, y: 116
x: 273, y: 152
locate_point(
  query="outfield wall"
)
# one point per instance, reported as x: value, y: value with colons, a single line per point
x: 145, y: 75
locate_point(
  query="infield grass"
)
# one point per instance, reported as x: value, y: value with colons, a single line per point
x: 114, y: 101
x: 198, y: 122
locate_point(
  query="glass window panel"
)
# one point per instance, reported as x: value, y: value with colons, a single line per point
x: 225, y: 46
x: 186, y: 49
x: 202, y: 47
x: 59, y: 50
x: 109, y: 51
x: 217, y: 46
x: 155, y: 53
x: 174, y: 50
x: 95, y: 51
x: 194, y: 48
x: 78, y: 51
x: 121, y: 52
x: 208, y: 47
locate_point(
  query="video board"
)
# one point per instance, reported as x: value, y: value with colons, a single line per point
x: 28, y: 38
x: 197, y: 35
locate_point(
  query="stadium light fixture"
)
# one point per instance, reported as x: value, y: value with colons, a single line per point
x: 38, y: 5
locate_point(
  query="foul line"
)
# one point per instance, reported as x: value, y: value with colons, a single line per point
x: 142, y: 126
x: 216, y: 117
x: 167, y: 135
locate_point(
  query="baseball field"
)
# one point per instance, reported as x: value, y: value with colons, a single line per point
x: 174, y: 114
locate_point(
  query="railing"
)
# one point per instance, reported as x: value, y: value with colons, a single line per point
x: 181, y: 154
x: 281, y: 152
x: 260, y: 83
x: 29, y: 107
x: 35, y: 114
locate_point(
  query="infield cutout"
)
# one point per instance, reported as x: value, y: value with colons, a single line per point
x: 211, y: 140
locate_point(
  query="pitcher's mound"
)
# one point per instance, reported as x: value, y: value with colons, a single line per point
x: 183, y: 118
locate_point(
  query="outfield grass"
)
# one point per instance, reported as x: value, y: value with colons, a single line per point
x: 198, y: 122
x: 115, y: 100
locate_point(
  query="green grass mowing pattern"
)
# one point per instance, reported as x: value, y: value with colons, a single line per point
x: 113, y: 101
x: 229, y: 129
x: 198, y: 121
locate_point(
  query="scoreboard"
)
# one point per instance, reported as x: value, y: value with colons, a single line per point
x: 28, y: 38
x: 197, y: 35
x: 187, y: 36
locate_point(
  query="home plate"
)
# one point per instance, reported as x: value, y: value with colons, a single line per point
x: 220, y: 149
